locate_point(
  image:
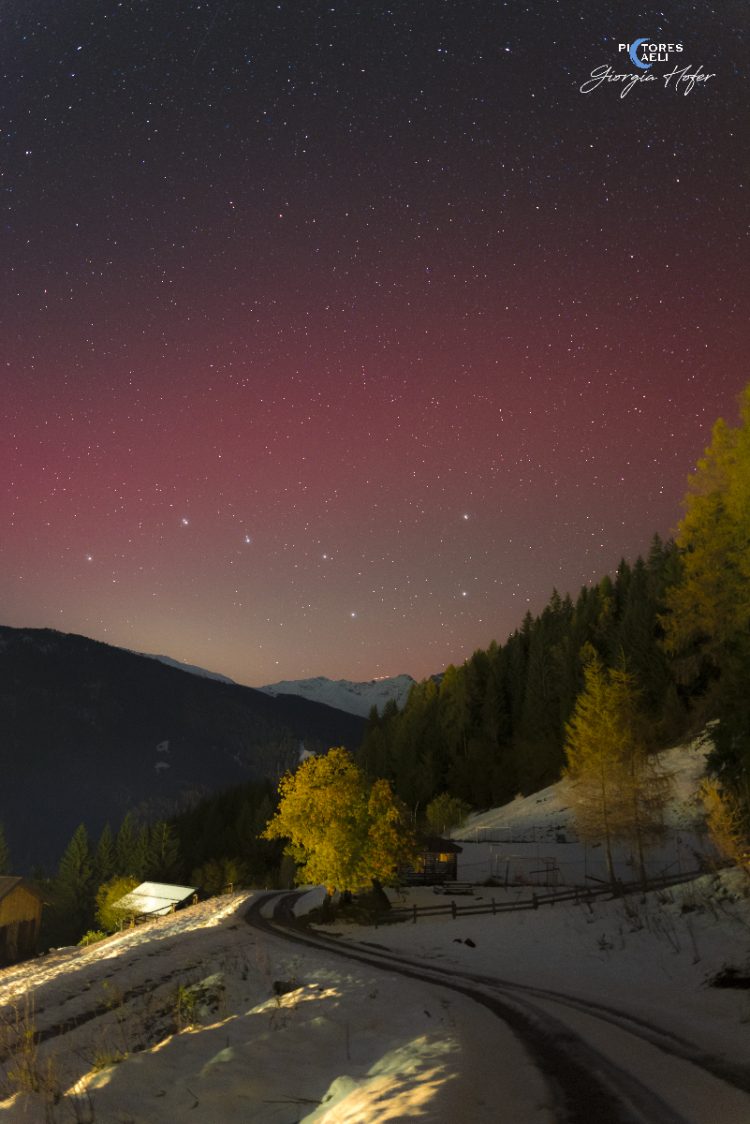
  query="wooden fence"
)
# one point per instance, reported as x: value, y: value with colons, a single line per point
x: 579, y: 895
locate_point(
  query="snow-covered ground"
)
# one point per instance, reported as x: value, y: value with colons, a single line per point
x: 269, y: 1033
x: 198, y: 1017
x: 279, y: 1033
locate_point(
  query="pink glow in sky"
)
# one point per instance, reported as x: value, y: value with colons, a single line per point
x: 334, y: 339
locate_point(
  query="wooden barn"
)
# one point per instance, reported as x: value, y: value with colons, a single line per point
x: 20, y: 918
x: 437, y: 862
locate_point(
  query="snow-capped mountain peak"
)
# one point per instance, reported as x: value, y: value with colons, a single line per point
x: 355, y: 698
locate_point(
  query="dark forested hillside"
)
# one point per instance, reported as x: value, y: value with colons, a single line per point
x: 88, y: 731
x: 496, y: 725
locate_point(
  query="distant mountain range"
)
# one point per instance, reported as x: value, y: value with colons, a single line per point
x: 89, y: 731
x: 343, y: 694
x: 356, y: 698
x: 191, y: 667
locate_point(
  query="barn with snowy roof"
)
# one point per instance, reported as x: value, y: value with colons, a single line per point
x: 155, y: 899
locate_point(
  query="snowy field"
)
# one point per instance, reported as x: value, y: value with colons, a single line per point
x: 199, y: 1017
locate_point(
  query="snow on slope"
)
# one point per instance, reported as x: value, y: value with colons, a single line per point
x: 355, y: 698
x: 551, y: 809
x: 341, y: 1034
x: 189, y: 1016
x: 533, y: 840
x: 196, y: 1023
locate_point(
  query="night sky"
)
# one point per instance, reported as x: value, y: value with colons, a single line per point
x: 335, y: 335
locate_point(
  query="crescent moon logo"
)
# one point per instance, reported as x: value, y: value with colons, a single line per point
x: 634, y: 56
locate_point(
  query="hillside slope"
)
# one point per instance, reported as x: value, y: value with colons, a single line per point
x: 90, y: 731
x: 533, y: 839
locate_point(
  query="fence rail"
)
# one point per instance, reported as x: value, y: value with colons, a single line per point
x: 578, y: 894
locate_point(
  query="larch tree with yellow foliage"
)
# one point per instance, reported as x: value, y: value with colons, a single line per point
x: 710, y: 605
x: 618, y: 791
x: 707, y: 623
x: 342, y: 831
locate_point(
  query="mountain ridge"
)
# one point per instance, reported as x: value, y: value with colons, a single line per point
x: 345, y: 694
x: 85, y: 725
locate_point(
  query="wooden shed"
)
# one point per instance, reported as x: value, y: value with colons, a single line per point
x: 437, y: 862
x: 20, y: 918
x: 155, y: 899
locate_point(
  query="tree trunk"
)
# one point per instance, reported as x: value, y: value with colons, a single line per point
x: 610, y: 865
x: 326, y: 908
x: 379, y: 894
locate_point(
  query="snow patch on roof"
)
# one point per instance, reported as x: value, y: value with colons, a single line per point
x: 154, y: 898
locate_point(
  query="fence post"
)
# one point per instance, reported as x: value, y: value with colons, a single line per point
x: 453, y: 909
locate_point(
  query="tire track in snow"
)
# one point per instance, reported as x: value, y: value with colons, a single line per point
x: 588, y: 1087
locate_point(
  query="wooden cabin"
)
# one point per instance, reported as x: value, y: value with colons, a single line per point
x: 437, y: 862
x: 20, y: 918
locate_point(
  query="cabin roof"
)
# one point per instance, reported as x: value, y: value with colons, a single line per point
x: 433, y: 844
x: 154, y: 898
x: 9, y: 882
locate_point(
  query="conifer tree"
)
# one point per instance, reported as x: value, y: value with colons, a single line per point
x: 105, y: 858
x: 454, y: 709
x: 131, y: 847
x: 373, y: 755
x: 73, y: 888
x: 163, y: 851
x: 546, y: 697
x: 142, y: 856
x: 418, y: 750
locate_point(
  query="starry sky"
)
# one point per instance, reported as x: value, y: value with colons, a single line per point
x: 335, y: 335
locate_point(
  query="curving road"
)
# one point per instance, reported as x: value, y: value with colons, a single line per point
x: 603, y: 1065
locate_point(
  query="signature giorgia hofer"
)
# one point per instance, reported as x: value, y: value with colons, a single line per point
x: 681, y: 79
